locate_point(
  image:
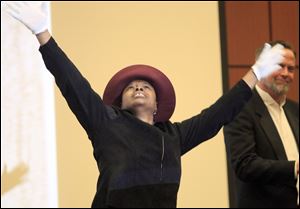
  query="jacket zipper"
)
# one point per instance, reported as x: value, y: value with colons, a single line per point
x: 162, y: 157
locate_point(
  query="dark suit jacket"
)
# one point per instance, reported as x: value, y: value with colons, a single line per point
x: 265, y: 178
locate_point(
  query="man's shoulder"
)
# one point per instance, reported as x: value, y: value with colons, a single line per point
x: 255, y: 102
x: 292, y: 105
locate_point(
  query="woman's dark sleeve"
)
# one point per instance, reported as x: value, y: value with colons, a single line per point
x: 207, y: 124
x: 84, y: 102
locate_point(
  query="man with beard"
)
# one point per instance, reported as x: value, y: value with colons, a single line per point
x: 262, y: 142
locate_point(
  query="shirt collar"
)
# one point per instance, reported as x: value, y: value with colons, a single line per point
x: 268, y: 100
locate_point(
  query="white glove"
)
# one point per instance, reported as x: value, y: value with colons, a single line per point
x: 30, y: 14
x: 268, y: 61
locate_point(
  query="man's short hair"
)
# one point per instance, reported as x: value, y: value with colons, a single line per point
x: 285, y: 44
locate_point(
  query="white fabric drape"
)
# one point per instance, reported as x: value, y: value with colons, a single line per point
x: 28, y: 148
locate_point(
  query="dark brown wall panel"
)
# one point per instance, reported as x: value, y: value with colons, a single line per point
x: 285, y: 22
x: 247, y: 25
x: 285, y: 26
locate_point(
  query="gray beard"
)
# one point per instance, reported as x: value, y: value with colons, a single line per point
x: 278, y: 89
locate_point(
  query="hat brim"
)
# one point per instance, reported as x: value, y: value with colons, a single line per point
x: 164, y: 90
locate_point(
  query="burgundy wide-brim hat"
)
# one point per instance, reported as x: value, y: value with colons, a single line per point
x: 165, y: 94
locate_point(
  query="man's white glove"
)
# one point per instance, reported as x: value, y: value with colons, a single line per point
x: 30, y: 14
x: 268, y: 61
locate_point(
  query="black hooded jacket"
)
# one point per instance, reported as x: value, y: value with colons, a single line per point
x: 139, y: 164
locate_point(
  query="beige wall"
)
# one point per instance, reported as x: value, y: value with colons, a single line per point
x: 181, y: 39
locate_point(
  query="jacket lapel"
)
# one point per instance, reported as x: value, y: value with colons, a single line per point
x: 269, y: 127
x: 294, y: 123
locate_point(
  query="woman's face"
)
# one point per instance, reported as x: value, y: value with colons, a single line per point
x: 139, y: 94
